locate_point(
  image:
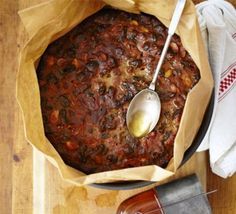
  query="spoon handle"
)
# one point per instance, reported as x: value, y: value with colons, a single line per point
x: 163, y: 54
x: 173, y: 25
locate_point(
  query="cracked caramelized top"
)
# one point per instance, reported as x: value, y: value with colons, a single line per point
x: 87, y: 79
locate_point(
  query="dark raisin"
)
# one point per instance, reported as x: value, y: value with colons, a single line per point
x: 128, y: 150
x: 103, y: 72
x: 71, y: 113
x: 111, y: 62
x: 179, y: 102
x: 40, y: 68
x: 141, y: 150
x: 102, y: 111
x: 118, y: 103
x: 51, y: 78
x: 112, y: 158
x: 146, y: 46
x: 106, y: 18
x: 122, y: 34
x: 166, y: 136
x: 111, y: 91
x: 196, y: 77
x: 131, y: 34
x: 160, y: 41
x: 84, y: 75
x: 101, y: 149
x: 90, y: 103
x: 166, y: 96
x: 61, y: 62
x: 104, y: 135
x: 44, y: 89
x: 64, y: 101
x: 137, y: 78
x: 125, y: 85
x: 83, y: 149
x: 81, y: 89
x: 154, y: 37
x: 89, y: 92
x: 90, y: 130
x: 65, y: 137
x: 163, y: 162
x: 102, y: 127
x: 45, y: 119
x: 167, y: 115
x: 79, y: 38
x: 135, y: 63
x: 161, y: 127
x: 118, y: 52
x: 133, y: 142
x: 176, y: 113
x: 127, y: 97
x: 100, y: 28
x: 62, y: 115
x: 129, y: 87
x: 81, y: 76
x: 97, y: 115
x: 185, y: 64
x: 69, y: 68
x: 91, y: 170
x: 71, y: 52
x: 109, y: 122
x: 59, y: 52
x: 92, y: 65
x: 102, y: 90
x: 44, y: 102
x: 138, y: 86
x: 155, y: 155
x: 82, y: 158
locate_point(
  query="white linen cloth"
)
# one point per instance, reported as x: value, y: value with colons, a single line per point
x: 217, y: 19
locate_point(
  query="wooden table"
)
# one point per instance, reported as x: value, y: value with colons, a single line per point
x: 29, y: 183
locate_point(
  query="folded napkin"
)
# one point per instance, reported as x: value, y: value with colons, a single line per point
x: 217, y: 19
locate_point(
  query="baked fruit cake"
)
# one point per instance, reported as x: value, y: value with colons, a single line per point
x: 87, y: 79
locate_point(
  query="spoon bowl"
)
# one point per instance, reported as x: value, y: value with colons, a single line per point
x: 143, y: 113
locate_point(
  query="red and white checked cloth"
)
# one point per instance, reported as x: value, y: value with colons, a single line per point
x: 217, y: 19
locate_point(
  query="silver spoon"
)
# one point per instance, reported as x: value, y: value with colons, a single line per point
x: 144, y: 110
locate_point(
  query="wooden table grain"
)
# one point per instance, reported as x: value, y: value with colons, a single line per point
x: 29, y: 183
